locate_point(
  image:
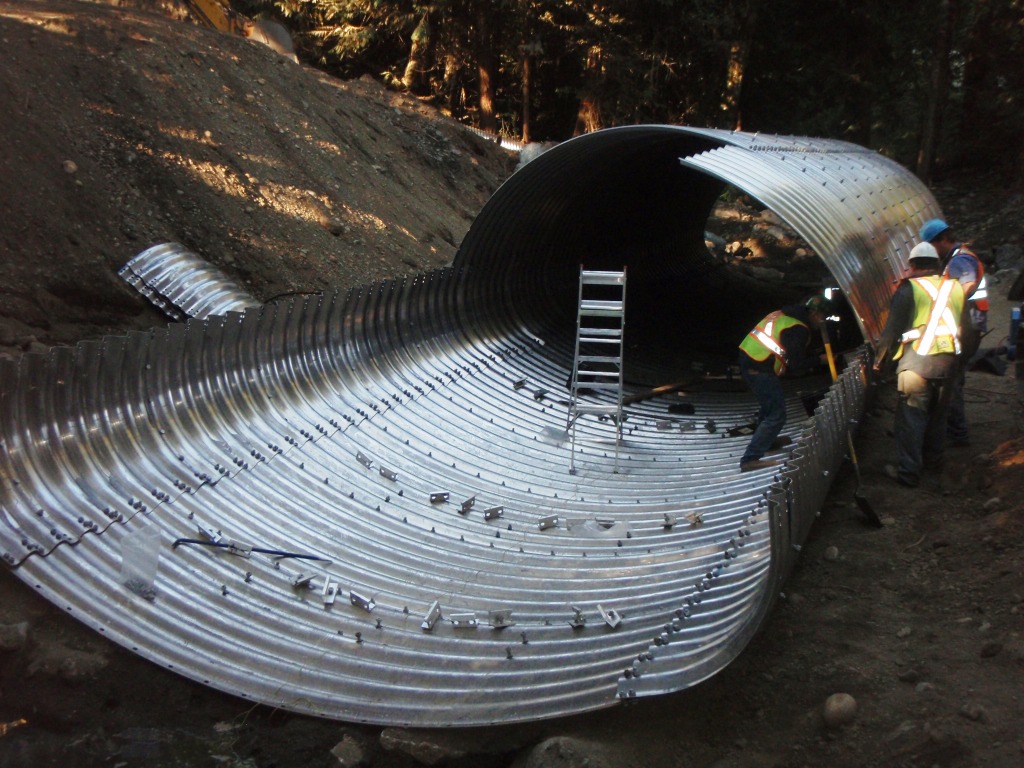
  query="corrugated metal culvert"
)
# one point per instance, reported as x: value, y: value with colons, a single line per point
x: 360, y: 503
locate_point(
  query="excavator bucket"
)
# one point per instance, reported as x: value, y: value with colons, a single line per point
x: 274, y: 35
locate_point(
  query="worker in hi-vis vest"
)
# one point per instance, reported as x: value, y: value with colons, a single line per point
x: 962, y: 265
x: 923, y: 328
x: 777, y: 346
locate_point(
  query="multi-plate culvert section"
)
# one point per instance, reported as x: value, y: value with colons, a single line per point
x: 362, y: 502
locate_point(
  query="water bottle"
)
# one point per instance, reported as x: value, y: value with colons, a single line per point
x: 1011, y: 342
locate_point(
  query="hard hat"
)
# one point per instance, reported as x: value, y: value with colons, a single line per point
x: 819, y: 304
x: 923, y: 251
x: 933, y: 229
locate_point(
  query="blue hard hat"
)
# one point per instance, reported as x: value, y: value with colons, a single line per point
x: 933, y: 229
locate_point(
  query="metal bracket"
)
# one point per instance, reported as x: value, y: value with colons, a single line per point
x: 463, y: 620
x: 578, y: 620
x: 329, y: 591
x: 363, y: 460
x: 467, y: 505
x: 493, y: 513
x: 547, y: 522
x: 366, y: 603
x: 438, y: 496
x: 389, y: 474
x: 611, y: 616
x: 207, y: 533
x: 238, y: 548
x: 432, y: 616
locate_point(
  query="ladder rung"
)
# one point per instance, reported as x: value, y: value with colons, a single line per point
x: 606, y: 359
x: 601, y: 307
x: 602, y: 278
x: 595, y: 385
x: 596, y: 409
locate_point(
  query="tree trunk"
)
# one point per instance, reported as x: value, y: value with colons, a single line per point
x: 736, y: 69
x: 939, y: 92
x: 588, y: 116
x: 734, y: 84
x: 413, y: 78
x: 487, y: 69
x: 527, y: 86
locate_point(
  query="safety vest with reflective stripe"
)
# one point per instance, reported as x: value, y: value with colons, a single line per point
x: 764, y: 340
x: 938, y: 303
x: 980, y: 294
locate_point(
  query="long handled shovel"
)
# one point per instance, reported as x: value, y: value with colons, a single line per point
x: 863, y: 503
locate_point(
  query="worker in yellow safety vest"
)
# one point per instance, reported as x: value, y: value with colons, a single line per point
x: 925, y: 317
x: 963, y: 265
x: 777, y: 346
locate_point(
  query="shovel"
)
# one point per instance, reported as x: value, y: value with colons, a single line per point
x: 863, y: 503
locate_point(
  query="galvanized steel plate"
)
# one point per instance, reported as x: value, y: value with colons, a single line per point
x: 363, y: 503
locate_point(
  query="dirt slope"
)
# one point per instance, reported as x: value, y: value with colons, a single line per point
x: 123, y: 129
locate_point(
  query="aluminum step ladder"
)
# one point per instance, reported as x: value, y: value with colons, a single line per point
x: 595, y: 388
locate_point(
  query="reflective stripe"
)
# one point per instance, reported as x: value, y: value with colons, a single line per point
x: 773, y: 346
x: 941, y: 315
x: 761, y: 343
x: 981, y: 291
x: 941, y: 321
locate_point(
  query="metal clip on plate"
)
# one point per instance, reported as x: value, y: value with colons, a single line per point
x: 433, y: 614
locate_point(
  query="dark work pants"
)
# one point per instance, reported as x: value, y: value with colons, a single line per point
x: 920, y: 424
x: 956, y: 417
x: 771, y: 417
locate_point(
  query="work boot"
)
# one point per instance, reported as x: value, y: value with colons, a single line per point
x: 894, y: 474
x: 747, y: 466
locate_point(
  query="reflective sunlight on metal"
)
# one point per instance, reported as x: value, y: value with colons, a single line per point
x: 359, y: 505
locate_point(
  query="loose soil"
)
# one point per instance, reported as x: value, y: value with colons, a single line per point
x: 124, y: 128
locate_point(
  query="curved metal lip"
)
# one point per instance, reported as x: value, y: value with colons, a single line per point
x: 362, y: 501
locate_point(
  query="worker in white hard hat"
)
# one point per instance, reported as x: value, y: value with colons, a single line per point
x: 923, y: 328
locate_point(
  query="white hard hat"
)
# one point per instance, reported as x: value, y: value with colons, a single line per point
x: 923, y: 251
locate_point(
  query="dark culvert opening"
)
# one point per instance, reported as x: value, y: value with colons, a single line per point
x: 625, y: 200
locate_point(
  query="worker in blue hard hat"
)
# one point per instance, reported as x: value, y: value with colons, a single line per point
x: 964, y: 266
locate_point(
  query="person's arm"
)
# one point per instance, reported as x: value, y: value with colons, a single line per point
x: 795, y: 341
x: 901, y: 315
x: 964, y: 269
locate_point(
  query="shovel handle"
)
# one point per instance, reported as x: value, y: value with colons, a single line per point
x: 828, y: 352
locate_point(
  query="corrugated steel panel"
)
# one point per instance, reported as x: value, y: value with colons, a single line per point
x: 347, y: 462
x: 184, y: 285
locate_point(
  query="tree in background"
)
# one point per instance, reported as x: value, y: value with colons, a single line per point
x: 935, y: 84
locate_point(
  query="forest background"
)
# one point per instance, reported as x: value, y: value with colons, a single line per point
x: 937, y: 85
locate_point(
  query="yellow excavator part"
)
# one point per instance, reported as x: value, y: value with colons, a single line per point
x: 220, y: 15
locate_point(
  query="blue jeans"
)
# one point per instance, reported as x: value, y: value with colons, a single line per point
x: 771, y: 417
x: 920, y: 424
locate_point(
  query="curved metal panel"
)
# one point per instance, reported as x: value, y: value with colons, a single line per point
x: 363, y: 502
x: 182, y: 284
